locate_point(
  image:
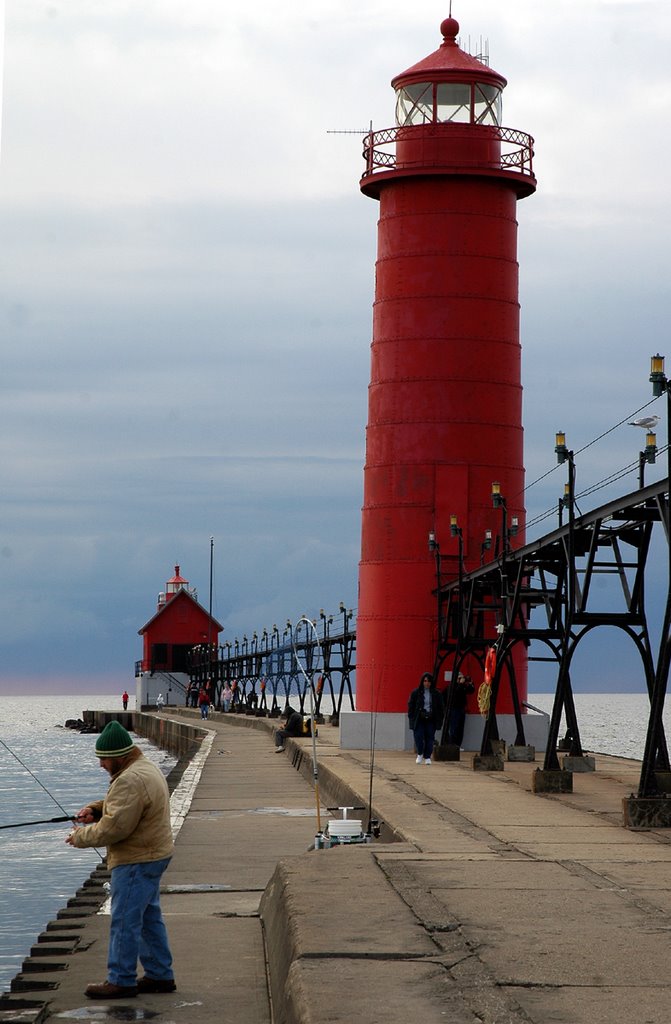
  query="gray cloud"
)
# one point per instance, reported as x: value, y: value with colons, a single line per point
x: 186, y: 278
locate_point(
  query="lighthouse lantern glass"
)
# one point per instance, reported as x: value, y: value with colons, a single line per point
x: 486, y: 104
x: 414, y: 104
x: 460, y: 102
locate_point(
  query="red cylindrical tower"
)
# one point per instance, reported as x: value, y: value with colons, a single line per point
x: 445, y: 397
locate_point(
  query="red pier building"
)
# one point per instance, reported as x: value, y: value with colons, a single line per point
x: 179, y: 624
x: 445, y: 395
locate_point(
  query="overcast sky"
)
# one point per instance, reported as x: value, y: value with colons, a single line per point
x: 186, y: 279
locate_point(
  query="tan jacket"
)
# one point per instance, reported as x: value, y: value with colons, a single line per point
x: 135, y: 816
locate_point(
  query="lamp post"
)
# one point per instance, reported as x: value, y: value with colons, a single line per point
x: 648, y: 785
x: 563, y: 503
x: 564, y: 454
x: 456, y: 531
x: 648, y: 455
x: 499, y: 502
x: 485, y: 546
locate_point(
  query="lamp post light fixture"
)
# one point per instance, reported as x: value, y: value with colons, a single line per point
x: 648, y: 455
x: 564, y: 502
x: 560, y: 447
x: 658, y: 378
x: 564, y: 454
x: 485, y: 546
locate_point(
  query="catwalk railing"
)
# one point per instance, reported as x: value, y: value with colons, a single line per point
x: 264, y: 674
x: 515, y: 148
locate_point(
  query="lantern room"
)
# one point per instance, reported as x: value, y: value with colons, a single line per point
x: 448, y: 85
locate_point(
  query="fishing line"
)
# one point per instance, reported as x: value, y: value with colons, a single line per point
x: 68, y: 817
x: 373, y: 729
x: 310, y: 683
x: 39, y: 783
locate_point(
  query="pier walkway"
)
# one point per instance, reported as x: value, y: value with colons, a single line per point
x: 491, y: 906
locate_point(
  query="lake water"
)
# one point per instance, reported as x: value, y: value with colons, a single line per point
x: 40, y: 873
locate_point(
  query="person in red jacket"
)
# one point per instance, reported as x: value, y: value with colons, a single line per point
x: 204, y: 702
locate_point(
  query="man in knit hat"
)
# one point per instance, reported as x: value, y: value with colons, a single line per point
x: 133, y: 822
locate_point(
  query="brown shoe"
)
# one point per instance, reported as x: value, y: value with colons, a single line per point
x: 155, y: 985
x: 109, y: 991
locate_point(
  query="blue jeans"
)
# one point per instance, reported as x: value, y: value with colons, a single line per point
x: 137, y: 930
x: 425, y: 734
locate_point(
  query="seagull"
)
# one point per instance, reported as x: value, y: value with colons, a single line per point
x: 647, y: 422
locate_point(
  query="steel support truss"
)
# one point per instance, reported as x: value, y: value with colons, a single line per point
x: 545, y: 593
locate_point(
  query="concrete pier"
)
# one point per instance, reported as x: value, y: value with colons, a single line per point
x: 485, y: 903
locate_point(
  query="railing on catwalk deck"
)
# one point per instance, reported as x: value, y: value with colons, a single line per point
x: 264, y: 675
x: 380, y: 152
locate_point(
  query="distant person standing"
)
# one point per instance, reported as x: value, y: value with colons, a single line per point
x: 227, y: 697
x: 425, y: 713
x: 457, y: 696
x: 159, y: 703
x: 124, y: 700
x: 204, y: 702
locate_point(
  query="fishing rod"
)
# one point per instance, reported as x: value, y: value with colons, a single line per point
x: 39, y: 783
x: 67, y: 817
x: 373, y: 823
x: 42, y: 821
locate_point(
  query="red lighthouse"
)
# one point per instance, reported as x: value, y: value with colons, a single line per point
x: 445, y: 396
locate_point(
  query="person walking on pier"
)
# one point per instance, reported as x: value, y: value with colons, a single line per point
x: 124, y: 700
x: 159, y: 703
x: 425, y: 713
x: 133, y: 822
x: 204, y: 702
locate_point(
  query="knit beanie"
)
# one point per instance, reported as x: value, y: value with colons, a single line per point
x: 114, y: 741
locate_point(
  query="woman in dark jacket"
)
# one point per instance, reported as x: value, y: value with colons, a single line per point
x: 425, y: 713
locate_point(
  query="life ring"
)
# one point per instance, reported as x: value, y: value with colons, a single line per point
x: 485, y: 689
x: 490, y: 665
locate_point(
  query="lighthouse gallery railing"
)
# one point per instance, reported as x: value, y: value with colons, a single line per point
x: 517, y: 148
